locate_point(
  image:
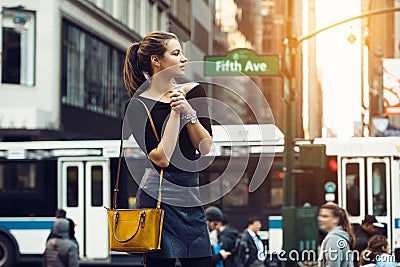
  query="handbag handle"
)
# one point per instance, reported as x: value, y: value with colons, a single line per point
x: 115, y: 196
x: 142, y: 216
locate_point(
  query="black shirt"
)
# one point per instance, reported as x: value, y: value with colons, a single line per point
x: 184, y: 154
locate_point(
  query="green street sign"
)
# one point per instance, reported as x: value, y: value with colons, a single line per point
x: 243, y: 61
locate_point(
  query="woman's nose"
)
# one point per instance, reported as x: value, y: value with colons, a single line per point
x: 183, y: 58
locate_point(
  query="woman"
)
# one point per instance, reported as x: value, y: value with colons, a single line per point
x: 175, y: 110
x: 377, y: 253
x: 336, y: 248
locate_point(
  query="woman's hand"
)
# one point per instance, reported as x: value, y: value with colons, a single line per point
x: 178, y: 101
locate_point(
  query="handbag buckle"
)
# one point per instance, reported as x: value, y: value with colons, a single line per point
x: 142, y: 219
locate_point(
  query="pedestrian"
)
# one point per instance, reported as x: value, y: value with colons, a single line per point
x: 60, y: 213
x: 228, y: 237
x: 61, y: 251
x: 369, y: 227
x: 174, y: 109
x: 214, y: 218
x: 336, y: 248
x: 377, y: 252
x: 256, y: 253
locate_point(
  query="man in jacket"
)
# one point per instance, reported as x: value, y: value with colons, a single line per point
x: 228, y: 237
x: 60, y: 250
x: 256, y: 248
x: 369, y: 227
x: 214, y: 218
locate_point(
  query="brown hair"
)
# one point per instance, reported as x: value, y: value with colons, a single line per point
x: 376, y: 245
x: 138, y: 55
x: 343, y: 219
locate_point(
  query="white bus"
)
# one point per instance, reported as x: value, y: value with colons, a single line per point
x: 362, y: 176
x: 368, y: 171
x: 38, y: 177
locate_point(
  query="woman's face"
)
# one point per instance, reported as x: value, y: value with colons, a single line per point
x: 326, y: 220
x: 173, y: 62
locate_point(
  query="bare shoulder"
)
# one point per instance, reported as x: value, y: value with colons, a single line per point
x: 188, y: 86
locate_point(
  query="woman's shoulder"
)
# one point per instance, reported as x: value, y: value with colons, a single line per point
x: 194, y: 90
x: 338, y: 237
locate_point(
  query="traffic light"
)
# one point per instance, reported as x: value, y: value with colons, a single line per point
x: 312, y: 156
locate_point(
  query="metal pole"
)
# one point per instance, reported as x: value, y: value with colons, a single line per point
x: 288, y: 209
x: 290, y: 107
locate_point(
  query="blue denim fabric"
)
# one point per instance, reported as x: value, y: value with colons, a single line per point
x: 185, y: 231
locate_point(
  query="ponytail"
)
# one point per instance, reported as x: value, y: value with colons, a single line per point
x: 344, y: 221
x: 133, y: 75
x: 346, y: 225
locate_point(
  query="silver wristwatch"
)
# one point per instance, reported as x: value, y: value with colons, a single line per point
x: 191, y: 117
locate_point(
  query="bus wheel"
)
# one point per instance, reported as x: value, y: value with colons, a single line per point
x: 7, y: 252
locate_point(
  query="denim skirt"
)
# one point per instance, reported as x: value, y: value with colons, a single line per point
x: 185, y: 231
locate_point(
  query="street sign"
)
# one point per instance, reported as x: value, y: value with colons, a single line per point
x: 243, y: 61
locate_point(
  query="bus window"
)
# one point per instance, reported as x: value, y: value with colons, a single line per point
x: 28, y: 188
x: 353, y: 189
x: 18, y: 178
x: 72, y: 186
x: 97, y: 186
x: 379, y: 188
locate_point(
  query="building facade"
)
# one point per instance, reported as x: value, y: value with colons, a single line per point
x: 382, y: 40
x: 62, y: 65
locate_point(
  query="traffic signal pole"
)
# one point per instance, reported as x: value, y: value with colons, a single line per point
x: 290, y: 107
x: 288, y: 209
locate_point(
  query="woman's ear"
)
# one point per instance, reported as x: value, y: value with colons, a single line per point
x: 155, y: 61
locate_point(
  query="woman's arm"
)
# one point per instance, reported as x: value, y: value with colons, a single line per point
x: 161, y: 155
x: 199, y: 136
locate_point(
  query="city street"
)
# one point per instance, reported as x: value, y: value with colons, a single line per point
x: 283, y: 114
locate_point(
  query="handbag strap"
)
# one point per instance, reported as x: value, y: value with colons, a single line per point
x: 115, y: 197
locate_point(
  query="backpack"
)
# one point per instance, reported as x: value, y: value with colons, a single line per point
x: 241, y: 251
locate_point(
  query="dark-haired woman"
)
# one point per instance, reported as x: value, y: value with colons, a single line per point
x: 336, y: 248
x: 181, y: 120
x: 377, y: 253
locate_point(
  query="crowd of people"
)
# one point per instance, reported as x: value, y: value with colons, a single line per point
x: 343, y: 247
x: 232, y: 248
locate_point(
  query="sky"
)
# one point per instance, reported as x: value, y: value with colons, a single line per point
x: 339, y: 65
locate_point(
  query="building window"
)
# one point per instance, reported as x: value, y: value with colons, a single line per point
x: 137, y: 15
x: 159, y: 18
x: 150, y: 17
x: 91, y: 73
x: 18, y: 49
x: 180, y: 9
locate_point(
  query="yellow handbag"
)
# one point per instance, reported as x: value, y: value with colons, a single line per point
x: 135, y: 230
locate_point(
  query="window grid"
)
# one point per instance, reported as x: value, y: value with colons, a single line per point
x: 93, y: 78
